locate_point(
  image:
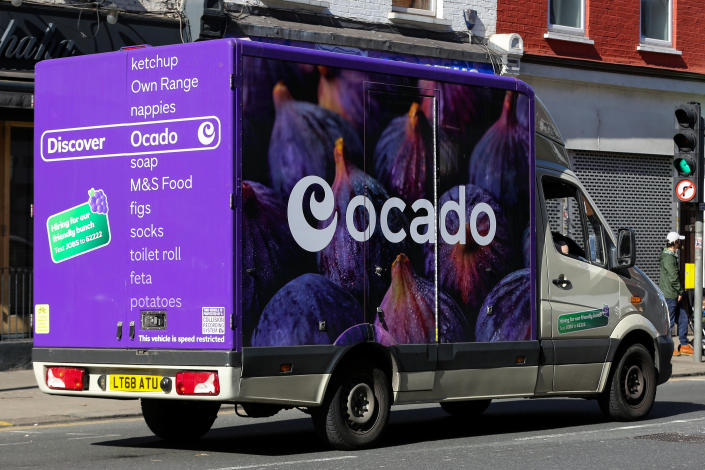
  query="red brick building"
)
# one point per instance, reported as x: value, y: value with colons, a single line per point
x: 612, y: 32
x: 611, y: 74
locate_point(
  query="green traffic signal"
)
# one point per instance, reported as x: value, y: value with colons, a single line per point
x: 683, y: 167
x: 688, y: 142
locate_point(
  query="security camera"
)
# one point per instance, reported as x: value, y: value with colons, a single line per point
x: 470, y: 17
x: 506, y: 44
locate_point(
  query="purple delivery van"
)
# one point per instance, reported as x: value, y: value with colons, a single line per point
x: 272, y: 227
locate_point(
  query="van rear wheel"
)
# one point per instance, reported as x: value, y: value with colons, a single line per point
x: 465, y: 407
x: 631, y: 389
x: 179, y: 420
x: 356, y: 411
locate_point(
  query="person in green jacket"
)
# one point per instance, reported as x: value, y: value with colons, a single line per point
x: 670, y: 285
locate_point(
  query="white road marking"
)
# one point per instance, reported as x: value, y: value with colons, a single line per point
x: 92, y: 437
x: 620, y: 428
x: 290, y: 462
x: 16, y: 443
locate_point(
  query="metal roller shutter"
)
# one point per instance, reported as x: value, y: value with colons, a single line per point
x: 632, y: 191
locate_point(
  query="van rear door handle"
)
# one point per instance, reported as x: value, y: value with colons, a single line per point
x: 562, y: 282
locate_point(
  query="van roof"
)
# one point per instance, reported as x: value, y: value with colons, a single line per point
x: 544, y: 123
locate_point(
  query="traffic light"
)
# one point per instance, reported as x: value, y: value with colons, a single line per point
x: 688, y: 153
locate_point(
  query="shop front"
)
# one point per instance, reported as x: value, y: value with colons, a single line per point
x: 29, y: 34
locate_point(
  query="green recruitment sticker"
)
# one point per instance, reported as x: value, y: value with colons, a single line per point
x: 571, y: 322
x: 78, y: 230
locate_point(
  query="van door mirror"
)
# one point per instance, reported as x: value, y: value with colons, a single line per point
x: 626, y: 248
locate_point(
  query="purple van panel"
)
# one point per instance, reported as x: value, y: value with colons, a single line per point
x: 328, y: 141
x: 133, y: 180
x: 138, y: 152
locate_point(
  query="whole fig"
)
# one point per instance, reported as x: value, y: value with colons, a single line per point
x: 344, y: 259
x: 499, y: 163
x: 407, y: 312
x: 294, y: 314
x: 303, y: 137
x: 260, y: 76
x: 505, y: 314
x: 468, y: 270
x: 403, y: 156
x: 270, y: 257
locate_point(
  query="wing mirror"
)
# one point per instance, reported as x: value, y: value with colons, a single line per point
x: 626, y: 249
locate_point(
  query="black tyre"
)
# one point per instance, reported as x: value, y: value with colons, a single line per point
x: 466, y: 407
x: 179, y: 420
x: 355, y: 411
x: 631, y: 388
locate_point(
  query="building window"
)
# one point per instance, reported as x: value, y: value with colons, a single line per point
x: 656, y: 19
x: 419, y: 7
x: 567, y: 16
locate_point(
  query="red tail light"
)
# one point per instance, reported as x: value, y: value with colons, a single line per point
x: 197, y: 383
x: 66, y: 378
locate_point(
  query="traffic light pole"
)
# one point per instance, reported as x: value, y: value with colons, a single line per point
x: 698, y: 297
x: 689, y: 160
x: 698, y: 300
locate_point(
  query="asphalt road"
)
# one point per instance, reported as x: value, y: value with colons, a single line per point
x: 512, y: 434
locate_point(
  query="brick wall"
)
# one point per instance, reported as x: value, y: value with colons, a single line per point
x: 614, y: 27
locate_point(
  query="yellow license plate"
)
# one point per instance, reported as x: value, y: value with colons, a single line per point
x: 135, y: 383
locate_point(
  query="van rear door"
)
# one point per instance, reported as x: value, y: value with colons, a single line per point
x: 134, y: 175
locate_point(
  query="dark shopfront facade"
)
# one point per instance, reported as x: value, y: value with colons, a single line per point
x: 29, y: 34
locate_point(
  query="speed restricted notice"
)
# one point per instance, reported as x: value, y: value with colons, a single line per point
x: 685, y: 190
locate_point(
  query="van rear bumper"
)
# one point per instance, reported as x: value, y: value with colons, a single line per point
x: 665, y: 353
x: 304, y: 389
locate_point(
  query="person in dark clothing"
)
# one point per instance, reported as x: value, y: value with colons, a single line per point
x: 670, y: 285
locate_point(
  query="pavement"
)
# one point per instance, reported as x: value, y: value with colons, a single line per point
x: 22, y: 404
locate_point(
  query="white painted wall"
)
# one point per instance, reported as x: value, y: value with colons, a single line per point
x: 376, y: 11
x: 611, y: 112
x: 370, y: 11
x: 156, y: 6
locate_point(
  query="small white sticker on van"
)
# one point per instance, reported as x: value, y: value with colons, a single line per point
x: 213, y: 320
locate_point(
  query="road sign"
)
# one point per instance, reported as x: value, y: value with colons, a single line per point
x: 685, y: 190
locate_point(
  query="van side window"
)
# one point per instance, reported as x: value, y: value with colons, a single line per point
x: 565, y: 218
x: 596, y: 235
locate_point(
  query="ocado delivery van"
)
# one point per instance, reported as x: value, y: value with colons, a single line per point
x: 232, y: 222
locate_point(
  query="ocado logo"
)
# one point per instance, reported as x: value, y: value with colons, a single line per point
x: 314, y: 238
x: 206, y: 133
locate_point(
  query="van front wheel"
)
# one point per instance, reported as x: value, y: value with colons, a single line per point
x: 631, y: 390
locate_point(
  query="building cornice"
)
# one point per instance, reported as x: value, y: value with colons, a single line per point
x: 642, y: 71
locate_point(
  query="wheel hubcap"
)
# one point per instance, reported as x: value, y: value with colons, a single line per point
x: 634, y: 383
x: 361, y: 404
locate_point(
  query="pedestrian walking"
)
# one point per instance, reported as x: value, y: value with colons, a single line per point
x: 670, y: 284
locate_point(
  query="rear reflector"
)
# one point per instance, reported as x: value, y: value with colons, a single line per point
x: 66, y: 378
x: 197, y: 383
